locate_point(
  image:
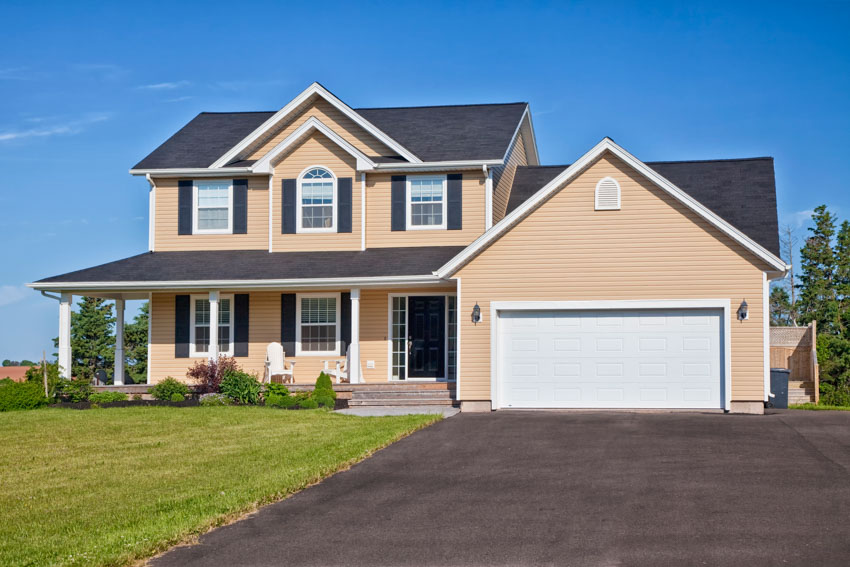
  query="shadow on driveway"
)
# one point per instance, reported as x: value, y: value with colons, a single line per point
x: 552, y: 488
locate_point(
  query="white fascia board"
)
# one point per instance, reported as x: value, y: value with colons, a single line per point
x: 571, y: 172
x: 192, y: 172
x: 264, y: 165
x: 533, y: 139
x: 526, y: 115
x: 314, y: 89
x: 242, y: 284
x: 437, y: 165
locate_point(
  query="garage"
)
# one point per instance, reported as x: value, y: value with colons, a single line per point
x: 659, y: 357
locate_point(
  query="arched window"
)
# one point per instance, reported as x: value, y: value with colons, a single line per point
x: 316, y: 200
x: 607, y: 194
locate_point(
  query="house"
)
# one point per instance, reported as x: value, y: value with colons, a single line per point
x: 431, y: 243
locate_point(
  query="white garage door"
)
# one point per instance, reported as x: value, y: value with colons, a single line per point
x: 653, y: 358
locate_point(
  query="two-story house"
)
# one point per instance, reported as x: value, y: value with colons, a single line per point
x: 432, y: 243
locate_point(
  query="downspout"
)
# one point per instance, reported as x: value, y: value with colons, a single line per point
x: 271, y: 205
x: 56, y: 297
x: 151, y: 213
x: 488, y: 198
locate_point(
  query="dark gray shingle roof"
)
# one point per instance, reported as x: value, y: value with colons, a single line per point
x: 741, y: 191
x: 432, y: 133
x: 262, y: 265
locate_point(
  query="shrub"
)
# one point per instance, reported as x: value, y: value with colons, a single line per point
x: 167, y: 388
x: 324, y: 390
x: 323, y: 398
x: 21, y: 396
x: 241, y: 387
x: 208, y: 374
x: 137, y: 397
x: 275, y: 400
x: 77, y: 390
x: 834, y: 396
x: 212, y: 400
x: 177, y: 397
x: 309, y: 403
x: 106, y: 397
x: 323, y: 382
x: 54, y: 381
x: 278, y: 389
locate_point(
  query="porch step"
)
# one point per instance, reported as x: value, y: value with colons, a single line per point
x: 398, y: 394
x: 400, y: 402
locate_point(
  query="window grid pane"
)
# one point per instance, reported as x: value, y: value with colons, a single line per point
x: 318, y: 324
x: 202, y: 325
x: 213, y: 205
x: 399, y: 338
x: 426, y: 202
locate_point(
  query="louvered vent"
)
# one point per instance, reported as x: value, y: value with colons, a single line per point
x: 607, y: 195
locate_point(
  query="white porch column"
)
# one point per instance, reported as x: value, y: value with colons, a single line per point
x: 65, y: 335
x: 354, y: 347
x: 118, y: 377
x: 214, y: 325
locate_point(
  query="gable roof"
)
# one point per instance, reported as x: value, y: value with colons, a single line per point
x: 425, y: 133
x: 740, y: 191
x: 446, y: 133
x: 566, y: 175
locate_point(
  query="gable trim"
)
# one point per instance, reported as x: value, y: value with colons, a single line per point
x: 316, y: 89
x: 569, y: 174
x: 263, y: 165
x: 529, y: 152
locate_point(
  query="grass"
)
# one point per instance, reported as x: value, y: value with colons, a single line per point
x: 811, y: 406
x: 110, y: 486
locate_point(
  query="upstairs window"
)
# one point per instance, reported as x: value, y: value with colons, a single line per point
x: 426, y: 202
x: 213, y: 207
x: 316, y: 201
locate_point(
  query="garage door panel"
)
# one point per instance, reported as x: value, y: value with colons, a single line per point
x: 628, y: 359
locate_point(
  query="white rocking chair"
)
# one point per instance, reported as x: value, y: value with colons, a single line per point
x: 340, y: 374
x: 276, y: 364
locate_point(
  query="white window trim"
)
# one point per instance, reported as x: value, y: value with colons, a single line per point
x: 193, y: 352
x: 298, y: 218
x: 409, y: 204
x: 229, y: 229
x: 443, y: 378
x: 338, y: 338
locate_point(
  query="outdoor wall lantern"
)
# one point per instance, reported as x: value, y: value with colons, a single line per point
x: 476, y: 314
x: 743, y: 312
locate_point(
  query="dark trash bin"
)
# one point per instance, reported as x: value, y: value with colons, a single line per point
x: 779, y: 387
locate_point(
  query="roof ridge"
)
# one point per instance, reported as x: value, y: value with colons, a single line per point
x: 240, y: 112
x: 438, y: 106
x: 711, y: 160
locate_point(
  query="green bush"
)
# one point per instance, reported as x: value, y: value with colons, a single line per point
x: 278, y: 389
x: 137, y: 397
x: 167, y: 388
x: 21, y: 396
x: 323, y: 382
x: 832, y: 396
x: 77, y: 390
x: 309, y: 403
x: 275, y: 400
x: 241, y: 387
x: 177, y: 397
x: 324, y: 398
x: 106, y: 397
x: 213, y: 400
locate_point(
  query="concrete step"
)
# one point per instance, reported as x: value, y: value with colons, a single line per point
x: 400, y: 402
x: 378, y: 394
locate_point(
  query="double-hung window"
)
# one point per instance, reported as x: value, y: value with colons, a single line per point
x: 316, y: 200
x: 213, y: 210
x: 426, y: 202
x: 200, y: 329
x: 318, y: 327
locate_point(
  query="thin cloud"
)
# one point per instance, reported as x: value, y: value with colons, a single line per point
x: 104, y: 70
x: 179, y: 99
x: 165, y: 86
x: 69, y: 127
x: 10, y: 294
x: 800, y: 218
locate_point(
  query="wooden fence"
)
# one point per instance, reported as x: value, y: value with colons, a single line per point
x: 795, y: 348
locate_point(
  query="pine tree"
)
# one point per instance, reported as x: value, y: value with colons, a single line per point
x: 92, y: 337
x: 136, y: 346
x: 818, y: 298
x: 780, y: 307
x: 842, y: 279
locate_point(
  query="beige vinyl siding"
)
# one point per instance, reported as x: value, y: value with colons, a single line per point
x: 264, y: 328
x: 379, y: 233
x: 316, y: 150
x: 503, y: 177
x: 165, y: 231
x: 328, y: 115
x: 653, y: 248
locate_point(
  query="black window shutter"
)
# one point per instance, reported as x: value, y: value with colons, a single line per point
x: 288, y: 211
x: 343, y: 208
x: 240, y: 206
x: 287, y: 323
x: 345, y: 322
x: 454, y: 214
x: 241, y: 308
x: 399, y: 205
x: 181, y: 326
x: 184, y: 206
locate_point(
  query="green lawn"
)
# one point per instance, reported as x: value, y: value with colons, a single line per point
x: 107, y: 486
x: 818, y: 407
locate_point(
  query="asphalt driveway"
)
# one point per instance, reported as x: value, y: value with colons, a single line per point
x: 551, y: 488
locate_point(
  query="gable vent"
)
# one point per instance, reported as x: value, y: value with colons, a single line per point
x: 607, y: 195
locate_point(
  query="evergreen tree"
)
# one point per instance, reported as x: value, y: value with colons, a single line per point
x: 780, y: 307
x: 818, y: 298
x: 92, y: 337
x: 842, y: 279
x: 136, y: 346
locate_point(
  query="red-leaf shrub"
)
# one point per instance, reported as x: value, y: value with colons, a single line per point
x: 208, y: 373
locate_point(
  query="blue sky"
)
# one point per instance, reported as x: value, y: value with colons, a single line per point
x: 88, y: 89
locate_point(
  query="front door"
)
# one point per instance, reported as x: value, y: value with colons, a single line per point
x: 426, y: 325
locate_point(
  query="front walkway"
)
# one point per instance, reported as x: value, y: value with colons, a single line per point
x: 552, y: 488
